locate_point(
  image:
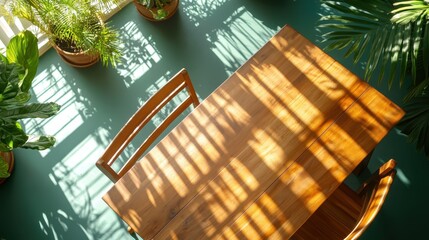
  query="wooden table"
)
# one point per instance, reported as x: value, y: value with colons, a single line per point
x: 261, y: 153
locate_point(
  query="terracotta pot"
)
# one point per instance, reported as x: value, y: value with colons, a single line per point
x: 170, y: 8
x: 8, y: 156
x: 77, y: 59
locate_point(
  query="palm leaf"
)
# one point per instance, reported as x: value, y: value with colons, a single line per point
x: 415, y: 14
x: 74, y: 22
x: 358, y: 26
x: 391, y: 33
x: 415, y: 123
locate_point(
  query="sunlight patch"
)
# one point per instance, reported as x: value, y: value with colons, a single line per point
x: 77, y: 175
x: 239, y: 40
x: 199, y: 10
x: 139, y: 53
x: 83, y: 184
x: 51, y: 86
x: 170, y: 106
x: 404, y: 179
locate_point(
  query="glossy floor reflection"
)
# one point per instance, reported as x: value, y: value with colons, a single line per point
x: 56, y: 194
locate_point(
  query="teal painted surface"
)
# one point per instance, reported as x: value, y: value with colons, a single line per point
x: 56, y: 194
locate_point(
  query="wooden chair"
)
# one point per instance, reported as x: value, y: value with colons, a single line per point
x: 142, y: 117
x: 346, y: 214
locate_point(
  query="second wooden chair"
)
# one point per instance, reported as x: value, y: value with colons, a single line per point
x: 346, y: 214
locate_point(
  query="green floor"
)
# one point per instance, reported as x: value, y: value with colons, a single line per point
x: 56, y: 194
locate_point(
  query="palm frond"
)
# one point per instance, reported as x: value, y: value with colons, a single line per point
x: 390, y: 33
x: 77, y: 23
x: 360, y: 27
x: 415, y: 123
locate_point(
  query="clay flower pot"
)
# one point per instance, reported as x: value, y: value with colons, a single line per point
x: 10, y: 160
x: 80, y: 59
x: 148, y: 13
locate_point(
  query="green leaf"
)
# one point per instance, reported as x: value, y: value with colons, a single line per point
x: 16, y: 75
x: 39, y: 143
x: 359, y: 52
x: 417, y: 90
x: 405, y: 52
x: 357, y: 26
x: 394, y: 32
x: 23, y: 49
x: 11, y: 135
x: 75, y: 24
x: 159, y: 14
x: 33, y: 110
x: 353, y: 47
x: 3, y: 59
x: 415, y: 123
x: 417, y: 39
x: 387, y: 52
x: 9, y: 80
x: 11, y: 103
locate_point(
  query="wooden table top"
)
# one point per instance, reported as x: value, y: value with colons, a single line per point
x: 261, y: 153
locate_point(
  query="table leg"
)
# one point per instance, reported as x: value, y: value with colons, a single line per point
x: 362, y: 165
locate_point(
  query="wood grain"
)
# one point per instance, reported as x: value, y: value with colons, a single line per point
x: 319, y: 170
x: 261, y: 153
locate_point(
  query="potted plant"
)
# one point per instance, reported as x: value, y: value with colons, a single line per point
x: 74, y: 28
x: 395, y: 35
x: 156, y: 10
x: 17, y: 71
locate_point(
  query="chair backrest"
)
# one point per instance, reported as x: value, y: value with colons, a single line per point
x: 143, y: 116
x: 374, y: 193
x: 346, y: 214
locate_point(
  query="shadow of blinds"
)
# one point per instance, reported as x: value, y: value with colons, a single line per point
x: 8, y: 29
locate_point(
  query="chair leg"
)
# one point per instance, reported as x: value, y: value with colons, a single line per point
x: 362, y: 165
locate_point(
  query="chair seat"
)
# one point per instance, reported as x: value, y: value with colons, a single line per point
x: 339, y: 213
x: 346, y: 214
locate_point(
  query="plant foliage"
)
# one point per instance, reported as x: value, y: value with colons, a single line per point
x: 415, y: 123
x: 17, y: 70
x: 156, y: 7
x: 395, y: 36
x: 391, y: 33
x: 73, y: 25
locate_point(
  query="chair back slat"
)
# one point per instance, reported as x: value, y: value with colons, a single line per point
x: 155, y: 134
x: 141, y: 118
